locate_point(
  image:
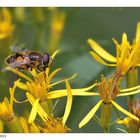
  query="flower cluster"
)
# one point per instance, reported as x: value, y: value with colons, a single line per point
x: 37, y: 87
x: 127, y: 56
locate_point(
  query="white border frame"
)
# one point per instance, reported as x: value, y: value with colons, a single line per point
x: 84, y: 136
x: 70, y: 3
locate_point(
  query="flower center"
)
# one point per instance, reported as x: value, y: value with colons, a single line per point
x: 109, y: 88
x: 54, y: 125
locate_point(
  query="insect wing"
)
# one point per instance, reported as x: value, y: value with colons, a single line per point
x: 16, y: 49
x: 17, y: 64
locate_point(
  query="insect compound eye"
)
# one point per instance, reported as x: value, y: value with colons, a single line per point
x: 46, y: 59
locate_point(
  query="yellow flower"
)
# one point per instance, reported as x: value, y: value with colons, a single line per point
x: 6, y: 110
x: 108, y: 90
x: 6, y: 107
x: 6, y: 26
x: 58, y: 20
x: 57, y: 94
x: 57, y: 24
x: 127, y: 56
x: 51, y: 124
x: 32, y: 127
x: 40, y: 83
x: 54, y: 125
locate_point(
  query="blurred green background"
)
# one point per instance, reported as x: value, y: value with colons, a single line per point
x: 33, y: 31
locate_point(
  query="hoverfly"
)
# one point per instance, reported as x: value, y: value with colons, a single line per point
x: 24, y: 59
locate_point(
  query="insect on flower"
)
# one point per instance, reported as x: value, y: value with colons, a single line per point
x: 24, y: 59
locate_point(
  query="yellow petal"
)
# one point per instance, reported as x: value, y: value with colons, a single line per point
x: 13, y: 98
x: 125, y: 121
x: 73, y: 76
x: 99, y: 59
x: 34, y: 73
x: 120, y: 122
x: 85, y: 89
x: 54, y: 73
x: 118, y: 49
x: 24, y: 125
x: 12, y: 92
x: 124, y: 38
x: 33, y: 111
x: 21, y: 85
x: 130, y: 89
x: 34, y: 128
x: 138, y: 65
x: 100, y: 51
x: 18, y: 73
x: 61, y: 93
x: 82, y: 89
x: 138, y: 32
x: 90, y: 114
x: 6, y: 102
x: 124, y: 111
x: 129, y: 93
x: 68, y: 104
x: 54, y: 54
x: 40, y: 111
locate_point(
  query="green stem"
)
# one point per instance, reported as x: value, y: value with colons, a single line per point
x: 97, y: 119
x: 131, y: 81
x: 106, y: 114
